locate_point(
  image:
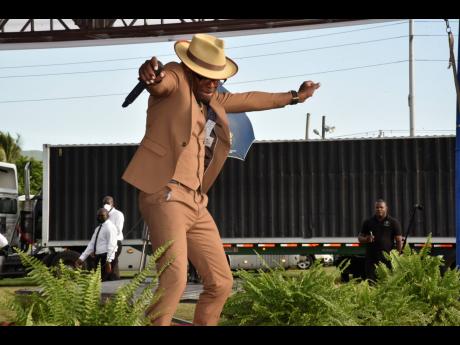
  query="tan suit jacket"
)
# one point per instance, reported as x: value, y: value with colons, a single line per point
x: 169, y: 127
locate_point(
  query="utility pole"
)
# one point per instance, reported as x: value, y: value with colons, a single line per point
x: 457, y: 166
x: 411, y: 78
x: 323, y: 132
x: 307, y: 127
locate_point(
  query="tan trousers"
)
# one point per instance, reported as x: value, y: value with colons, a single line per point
x: 180, y: 214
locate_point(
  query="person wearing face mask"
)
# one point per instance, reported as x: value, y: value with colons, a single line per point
x: 118, y: 219
x: 103, y: 245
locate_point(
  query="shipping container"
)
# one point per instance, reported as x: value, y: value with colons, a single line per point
x: 283, y: 191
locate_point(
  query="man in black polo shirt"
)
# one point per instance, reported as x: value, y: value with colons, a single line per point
x: 379, y: 234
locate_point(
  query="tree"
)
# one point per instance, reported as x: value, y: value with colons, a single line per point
x: 10, y: 149
x: 36, y: 174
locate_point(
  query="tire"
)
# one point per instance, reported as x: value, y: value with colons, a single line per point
x: 68, y: 257
x: 47, y: 259
x: 305, y: 265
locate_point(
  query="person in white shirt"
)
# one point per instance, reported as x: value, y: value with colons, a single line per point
x: 103, y: 245
x: 117, y: 218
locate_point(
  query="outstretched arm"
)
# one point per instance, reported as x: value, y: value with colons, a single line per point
x: 255, y: 101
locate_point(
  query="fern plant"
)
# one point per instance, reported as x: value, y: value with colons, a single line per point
x: 72, y: 297
x: 412, y: 291
x: 272, y: 298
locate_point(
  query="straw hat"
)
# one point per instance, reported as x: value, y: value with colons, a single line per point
x: 205, y: 55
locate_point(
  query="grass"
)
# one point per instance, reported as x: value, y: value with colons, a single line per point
x: 6, y: 315
x: 6, y: 293
x: 185, y: 311
x: 16, y: 282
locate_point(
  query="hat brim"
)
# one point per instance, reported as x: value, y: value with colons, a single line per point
x: 228, y: 71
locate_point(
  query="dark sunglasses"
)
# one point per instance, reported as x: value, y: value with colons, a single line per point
x: 200, y: 78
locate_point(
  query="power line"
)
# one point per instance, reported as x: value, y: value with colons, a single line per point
x: 67, y: 73
x: 63, y: 98
x: 429, y: 21
x: 243, y: 82
x: 238, y: 58
x: 316, y: 36
x: 228, y: 48
x: 82, y: 62
x: 320, y: 48
x: 433, y: 35
x: 322, y: 72
x: 432, y: 60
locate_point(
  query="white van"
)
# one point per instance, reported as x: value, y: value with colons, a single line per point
x: 8, y: 199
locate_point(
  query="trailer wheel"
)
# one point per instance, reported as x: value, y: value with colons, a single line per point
x: 307, y: 263
x: 68, y: 257
x: 47, y: 259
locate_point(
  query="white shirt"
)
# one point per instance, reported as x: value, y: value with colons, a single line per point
x: 3, y: 241
x: 106, y: 241
x: 117, y: 218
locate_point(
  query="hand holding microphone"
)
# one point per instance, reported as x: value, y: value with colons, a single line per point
x: 150, y: 72
x: 371, y: 237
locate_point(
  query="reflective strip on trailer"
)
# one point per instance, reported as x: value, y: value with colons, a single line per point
x: 443, y: 245
x: 331, y: 245
x: 227, y: 245
x: 352, y: 245
x: 245, y: 245
x: 310, y: 244
x: 288, y: 245
x: 269, y: 245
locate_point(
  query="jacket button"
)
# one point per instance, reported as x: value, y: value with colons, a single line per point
x: 184, y: 144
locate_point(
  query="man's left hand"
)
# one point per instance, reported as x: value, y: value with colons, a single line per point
x: 307, y: 89
x: 108, y: 267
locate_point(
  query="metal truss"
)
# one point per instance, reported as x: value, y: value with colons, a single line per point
x: 62, y: 30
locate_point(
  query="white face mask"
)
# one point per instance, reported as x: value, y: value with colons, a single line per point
x: 107, y: 207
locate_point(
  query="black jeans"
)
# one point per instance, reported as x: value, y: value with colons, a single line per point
x: 115, y: 268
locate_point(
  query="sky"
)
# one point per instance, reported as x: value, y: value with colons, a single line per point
x: 363, y: 71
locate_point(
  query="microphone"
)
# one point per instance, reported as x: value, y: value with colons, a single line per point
x: 418, y: 206
x: 141, y: 86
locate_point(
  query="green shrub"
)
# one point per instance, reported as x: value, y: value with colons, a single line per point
x: 411, y: 292
x: 69, y: 297
x: 271, y: 298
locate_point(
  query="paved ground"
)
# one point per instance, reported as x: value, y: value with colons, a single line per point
x: 191, y: 293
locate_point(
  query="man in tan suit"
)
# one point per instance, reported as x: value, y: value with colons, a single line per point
x: 186, y: 142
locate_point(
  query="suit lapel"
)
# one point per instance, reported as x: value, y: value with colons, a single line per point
x: 222, y: 129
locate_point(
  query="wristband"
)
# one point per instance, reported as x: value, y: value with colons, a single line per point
x: 295, y: 97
